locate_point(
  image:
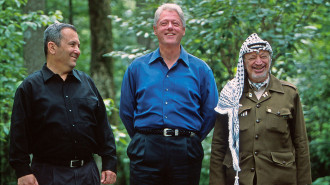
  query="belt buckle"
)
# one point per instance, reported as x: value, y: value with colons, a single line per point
x: 165, y: 132
x: 76, y: 160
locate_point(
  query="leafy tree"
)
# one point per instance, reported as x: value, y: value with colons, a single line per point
x: 313, y: 74
x: 33, y: 53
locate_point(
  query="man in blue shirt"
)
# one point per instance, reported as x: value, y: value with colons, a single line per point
x: 167, y: 106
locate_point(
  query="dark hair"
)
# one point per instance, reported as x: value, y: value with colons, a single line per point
x: 53, y: 34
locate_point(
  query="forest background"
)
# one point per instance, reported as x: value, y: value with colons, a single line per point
x: 114, y: 32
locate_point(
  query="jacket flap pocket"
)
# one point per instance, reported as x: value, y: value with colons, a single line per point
x: 285, y: 112
x: 283, y: 158
x: 243, y: 109
x: 282, y: 112
x: 228, y: 160
x: 271, y: 110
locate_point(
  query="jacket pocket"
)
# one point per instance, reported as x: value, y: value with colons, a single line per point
x: 283, y: 159
x: 244, y: 114
x: 277, y: 119
x: 228, y: 160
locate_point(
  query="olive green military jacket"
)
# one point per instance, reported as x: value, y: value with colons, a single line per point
x: 273, y: 140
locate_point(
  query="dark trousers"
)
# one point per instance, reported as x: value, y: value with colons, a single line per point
x: 160, y: 160
x: 49, y: 174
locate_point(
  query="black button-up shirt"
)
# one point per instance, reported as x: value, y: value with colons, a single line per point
x: 59, y: 120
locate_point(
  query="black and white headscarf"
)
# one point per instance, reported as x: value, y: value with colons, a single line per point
x: 232, y: 92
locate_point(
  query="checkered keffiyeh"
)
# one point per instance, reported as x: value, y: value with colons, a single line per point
x: 232, y: 92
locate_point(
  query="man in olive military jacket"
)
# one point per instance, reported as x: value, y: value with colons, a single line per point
x: 260, y: 134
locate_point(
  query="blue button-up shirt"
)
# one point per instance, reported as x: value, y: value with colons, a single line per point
x: 155, y: 97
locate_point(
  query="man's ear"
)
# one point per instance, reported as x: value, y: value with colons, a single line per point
x: 51, y: 47
x: 155, y: 33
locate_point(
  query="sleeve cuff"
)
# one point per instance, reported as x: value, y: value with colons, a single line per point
x: 109, y: 163
x: 22, y: 171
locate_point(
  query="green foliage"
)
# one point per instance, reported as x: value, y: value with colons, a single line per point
x: 322, y: 181
x: 205, y: 171
x: 122, y: 140
x: 313, y: 74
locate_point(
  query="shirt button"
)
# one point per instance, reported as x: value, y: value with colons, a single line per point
x: 166, y: 103
x: 283, y: 162
x: 166, y: 89
x: 165, y: 117
x: 73, y: 125
x: 255, y: 153
x: 258, y: 105
x: 257, y: 136
x: 70, y: 110
x: 252, y: 169
x: 75, y: 141
x: 167, y: 76
x: 67, y: 96
x: 258, y: 121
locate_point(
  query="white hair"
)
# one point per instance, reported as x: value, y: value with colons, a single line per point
x: 169, y: 6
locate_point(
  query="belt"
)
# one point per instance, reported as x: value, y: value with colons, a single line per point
x: 68, y: 163
x: 168, y: 132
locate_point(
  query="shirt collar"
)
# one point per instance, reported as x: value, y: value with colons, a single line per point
x: 47, y: 73
x: 183, y: 56
x: 275, y: 84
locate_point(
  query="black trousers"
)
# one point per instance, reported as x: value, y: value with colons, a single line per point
x: 160, y: 160
x: 49, y: 174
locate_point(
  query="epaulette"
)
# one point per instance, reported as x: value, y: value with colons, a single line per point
x: 288, y: 84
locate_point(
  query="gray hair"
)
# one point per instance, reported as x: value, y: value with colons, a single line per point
x: 169, y: 6
x: 53, y: 34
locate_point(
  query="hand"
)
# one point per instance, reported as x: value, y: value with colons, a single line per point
x: 27, y: 180
x: 108, y: 177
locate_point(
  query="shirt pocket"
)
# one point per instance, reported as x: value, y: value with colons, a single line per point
x: 244, y: 114
x: 277, y: 119
x: 86, y: 109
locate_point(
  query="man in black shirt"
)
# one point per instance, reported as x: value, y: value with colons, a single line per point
x: 59, y: 117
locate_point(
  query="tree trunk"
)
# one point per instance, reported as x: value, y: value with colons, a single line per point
x: 102, y: 67
x: 101, y: 43
x: 70, y: 12
x: 33, y: 52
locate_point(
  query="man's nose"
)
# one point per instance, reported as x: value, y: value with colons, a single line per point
x: 170, y: 25
x: 258, y: 60
x: 77, y: 51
